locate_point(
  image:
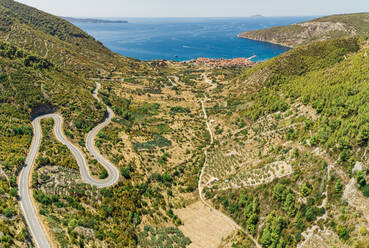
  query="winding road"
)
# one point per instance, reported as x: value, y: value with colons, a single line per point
x: 38, y: 233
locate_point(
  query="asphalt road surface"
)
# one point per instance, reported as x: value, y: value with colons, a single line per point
x: 29, y: 211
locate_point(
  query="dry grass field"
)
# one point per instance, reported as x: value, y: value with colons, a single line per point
x: 203, y: 226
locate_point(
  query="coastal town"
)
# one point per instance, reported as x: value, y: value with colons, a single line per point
x: 223, y: 62
x: 246, y: 62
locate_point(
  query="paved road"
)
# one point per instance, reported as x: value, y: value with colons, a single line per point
x: 29, y: 211
x: 90, y: 145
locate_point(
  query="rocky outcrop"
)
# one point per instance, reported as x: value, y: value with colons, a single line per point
x: 84, y: 232
x: 356, y: 199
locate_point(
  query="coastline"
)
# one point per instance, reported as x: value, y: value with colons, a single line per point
x: 172, y: 40
x: 212, y: 62
x: 264, y: 41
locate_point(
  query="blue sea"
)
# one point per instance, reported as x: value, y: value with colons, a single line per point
x: 188, y: 38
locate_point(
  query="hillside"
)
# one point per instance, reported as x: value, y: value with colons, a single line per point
x: 155, y: 140
x: 54, y: 38
x: 31, y: 85
x: 290, y: 164
x: 330, y: 27
x: 269, y: 156
x: 45, y: 63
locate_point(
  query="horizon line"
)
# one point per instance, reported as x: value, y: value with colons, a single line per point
x: 252, y: 16
x: 249, y: 16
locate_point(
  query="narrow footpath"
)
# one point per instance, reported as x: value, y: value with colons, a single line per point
x: 200, y: 187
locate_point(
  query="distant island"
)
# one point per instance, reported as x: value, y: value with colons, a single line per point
x: 91, y: 20
x: 257, y: 16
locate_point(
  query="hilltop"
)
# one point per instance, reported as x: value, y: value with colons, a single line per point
x: 325, y: 28
x: 55, y: 39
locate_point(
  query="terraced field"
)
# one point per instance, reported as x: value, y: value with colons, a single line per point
x: 236, y: 170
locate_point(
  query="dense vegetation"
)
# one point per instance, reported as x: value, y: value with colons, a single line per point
x: 329, y: 77
x: 337, y: 94
x: 305, y: 111
x: 29, y: 86
x: 167, y: 237
x: 68, y: 205
x: 57, y: 40
x: 293, y: 65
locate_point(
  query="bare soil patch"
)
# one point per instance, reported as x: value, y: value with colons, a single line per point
x: 203, y: 226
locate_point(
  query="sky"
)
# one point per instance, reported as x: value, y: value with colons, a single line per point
x: 197, y: 8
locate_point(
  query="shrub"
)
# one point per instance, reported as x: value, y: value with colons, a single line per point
x: 13, y: 192
x: 104, y: 174
x: 9, y: 212
x: 306, y: 189
x: 125, y: 173
x: 365, y: 190
x: 363, y: 135
x: 338, y: 186
x: 343, y: 233
x: 180, y: 110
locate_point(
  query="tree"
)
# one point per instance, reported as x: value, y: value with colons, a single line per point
x: 104, y: 174
x: 306, y: 189
x: 363, y: 135
x: 338, y: 186
x: 344, y: 143
x: 289, y: 205
x: 271, y: 236
x: 13, y: 192
x: 251, y: 223
x: 360, y: 179
x: 9, y: 212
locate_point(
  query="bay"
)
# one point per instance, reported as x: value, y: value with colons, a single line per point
x: 188, y: 38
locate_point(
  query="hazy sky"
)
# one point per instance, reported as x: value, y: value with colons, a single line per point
x: 197, y: 8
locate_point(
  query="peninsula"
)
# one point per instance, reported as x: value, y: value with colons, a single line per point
x: 324, y: 28
x: 91, y: 20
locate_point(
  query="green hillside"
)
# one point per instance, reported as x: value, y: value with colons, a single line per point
x: 53, y: 38
x: 31, y: 85
x: 281, y: 148
x: 306, y: 108
x: 330, y: 27
x: 45, y: 66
